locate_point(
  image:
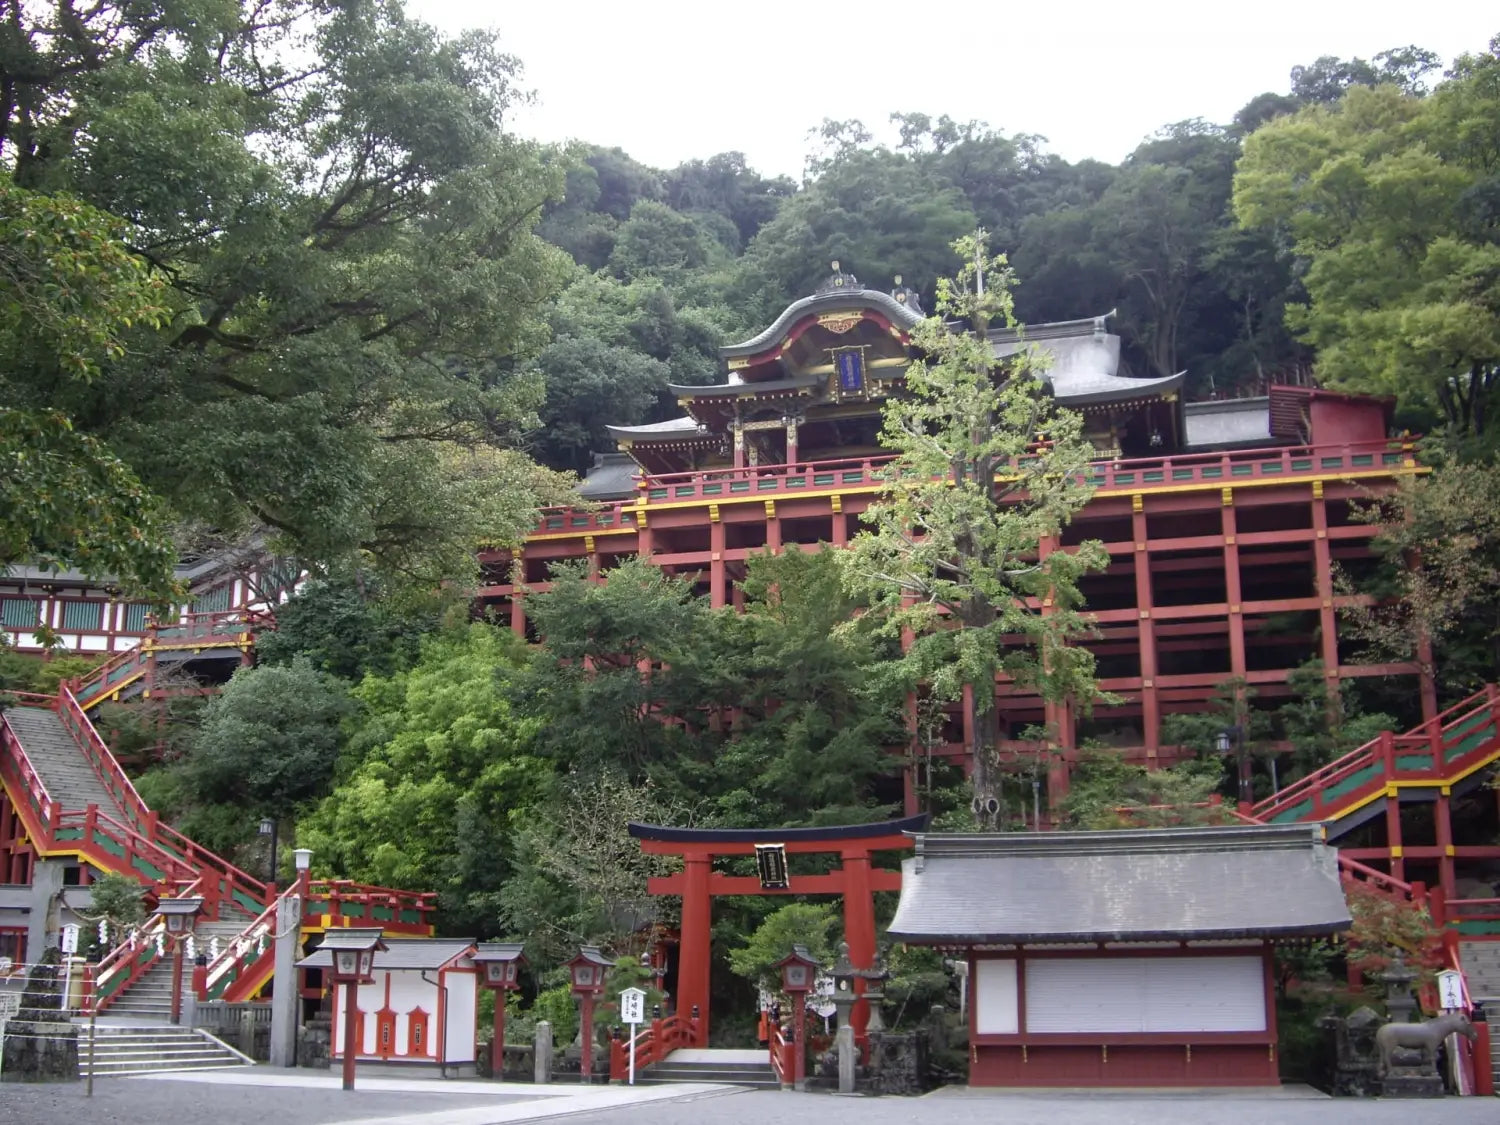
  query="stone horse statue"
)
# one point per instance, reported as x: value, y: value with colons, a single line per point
x: 1424, y: 1037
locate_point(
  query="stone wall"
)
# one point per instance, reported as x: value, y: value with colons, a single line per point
x: 39, y: 1051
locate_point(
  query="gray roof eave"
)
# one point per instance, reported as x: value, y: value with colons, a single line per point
x: 898, y: 313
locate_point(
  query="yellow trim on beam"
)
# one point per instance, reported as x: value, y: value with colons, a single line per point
x: 1205, y: 486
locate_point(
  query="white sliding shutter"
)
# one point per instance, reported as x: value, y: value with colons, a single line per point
x: 1084, y: 994
x: 996, y: 1006
x: 1145, y: 994
x: 1205, y: 994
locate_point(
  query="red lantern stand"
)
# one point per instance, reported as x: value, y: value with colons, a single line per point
x: 353, y: 963
x: 501, y: 962
x: 798, y: 971
x: 586, y: 971
x: 179, y: 916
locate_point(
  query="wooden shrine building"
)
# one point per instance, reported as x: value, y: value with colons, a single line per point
x: 1223, y: 519
x: 1132, y: 958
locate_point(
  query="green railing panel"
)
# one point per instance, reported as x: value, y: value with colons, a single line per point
x: 657, y: 493
x: 685, y: 490
x: 106, y: 844
x: 248, y: 902
x: 1361, y: 460
x: 739, y: 486
x: 1124, y: 478
x: 554, y: 523
x: 1294, y: 813
x: 1332, y: 462
x: 382, y: 914
x: 606, y: 520
x: 823, y: 478
x: 580, y: 521
x: 1414, y: 761
x: 412, y: 916
x: 1182, y: 474
x: 1153, y: 476
x: 1213, y: 470
x: 1356, y: 780
x: 354, y: 909
x: 856, y: 477
x: 64, y: 835
x: 712, y: 489
x: 147, y: 868
x: 1241, y: 470
x: 1479, y: 926
x: 1391, y: 458
x: 796, y: 482
x: 766, y: 484
x: 1301, y: 464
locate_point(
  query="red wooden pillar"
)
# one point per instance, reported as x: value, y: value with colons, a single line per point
x: 773, y: 528
x: 517, y: 595
x: 1427, y: 680
x: 859, y: 929
x: 1145, y: 632
x: 643, y: 546
x: 1323, y: 569
x: 1233, y: 593
x: 697, y: 942
x: 1442, y: 816
x: 1392, y: 806
x: 716, y: 575
x: 840, y: 523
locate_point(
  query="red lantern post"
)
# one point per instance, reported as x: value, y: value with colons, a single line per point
x: 501, y: 964
x: 587, y: 973
x: 179, y: 915
x: 797, y: 972
x: 351, y: 957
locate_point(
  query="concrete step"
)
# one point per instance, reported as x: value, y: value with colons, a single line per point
x: 119, y: 1051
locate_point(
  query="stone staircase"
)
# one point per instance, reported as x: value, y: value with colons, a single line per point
x: 150, y: 998
x: 120, y: 1051
x: 734, y: 1068
x: 1481, y: 962
x: 70, y: 780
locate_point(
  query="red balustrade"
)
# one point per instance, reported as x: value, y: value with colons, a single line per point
x: 783, y: 1058
x: 653, y: 1043
x: 1434, y: 751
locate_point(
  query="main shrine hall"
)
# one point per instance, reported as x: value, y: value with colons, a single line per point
x: 1224, y: 519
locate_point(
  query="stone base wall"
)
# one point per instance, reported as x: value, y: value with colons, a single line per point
x: 39, y: 1051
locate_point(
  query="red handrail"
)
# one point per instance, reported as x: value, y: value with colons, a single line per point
x: 1382, y: 746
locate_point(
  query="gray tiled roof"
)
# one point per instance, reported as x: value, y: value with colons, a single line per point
x: 1228, y: 422
x: 611, y: 478
x: 1084, y: 362
x: 402, y: 953
x: 1134, y: 885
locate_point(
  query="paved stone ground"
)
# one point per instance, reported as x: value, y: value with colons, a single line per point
x: 191, y: 1102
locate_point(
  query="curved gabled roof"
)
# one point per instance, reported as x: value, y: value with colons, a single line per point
x: 883, y: 303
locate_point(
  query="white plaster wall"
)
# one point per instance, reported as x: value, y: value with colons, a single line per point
x: 463, y: 1010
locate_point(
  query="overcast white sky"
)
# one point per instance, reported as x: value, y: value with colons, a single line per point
x: 669, y: 80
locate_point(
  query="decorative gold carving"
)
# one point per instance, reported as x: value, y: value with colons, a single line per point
x: 1317, y: 490
x: 640, y: 519
x: 770, y: 509
x: 838, y: 503
x: 588, y: 544
x: 739, y: 363
x: 840, y: 322
x: 713, y: 513
x: 1137, y: 502
x: 1226, y: 496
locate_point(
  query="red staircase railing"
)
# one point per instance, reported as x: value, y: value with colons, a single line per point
x: 783, y: 1057
x: 221, y: 629
x: 653, y: 1043
x: 1441, y: 749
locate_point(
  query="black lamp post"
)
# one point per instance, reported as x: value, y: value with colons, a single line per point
x: 1233, y: 738
x: 268, y: 828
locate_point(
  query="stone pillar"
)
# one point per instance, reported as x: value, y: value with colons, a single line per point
x: 844, y: 1044
x: 285, y: 1001
x: 42, y: 923
x: 542, y: 1060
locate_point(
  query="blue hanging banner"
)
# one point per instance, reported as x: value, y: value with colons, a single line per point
x: 851, y: 369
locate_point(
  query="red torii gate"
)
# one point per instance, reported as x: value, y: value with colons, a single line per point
x: 855, y: 880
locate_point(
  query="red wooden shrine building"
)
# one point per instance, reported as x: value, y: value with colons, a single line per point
x: 1224, y: 521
